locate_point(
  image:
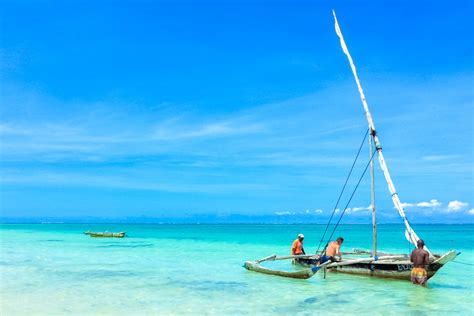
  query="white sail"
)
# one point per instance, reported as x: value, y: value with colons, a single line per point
x: 412, y: 237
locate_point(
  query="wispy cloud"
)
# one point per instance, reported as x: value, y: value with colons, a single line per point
x: 225, y: 128
x: 348, y: 211
x: 128, y: 181
x: 280, y: 134
x: 359, y: 209
x: 301, y: 145
x: 300, y: 213
x: 284, y: 213
x: 439, y: 157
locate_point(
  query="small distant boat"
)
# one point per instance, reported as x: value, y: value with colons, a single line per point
x: 105, y: 234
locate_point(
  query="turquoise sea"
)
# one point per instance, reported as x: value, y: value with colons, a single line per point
x: 53, y: 269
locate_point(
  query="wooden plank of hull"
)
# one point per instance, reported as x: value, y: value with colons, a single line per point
x: 302, y: 274
x: 392, y: 271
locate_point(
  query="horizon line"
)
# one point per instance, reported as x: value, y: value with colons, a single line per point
x: 207, y: 223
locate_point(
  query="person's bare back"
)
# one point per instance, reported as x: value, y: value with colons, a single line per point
x: 420, y: 258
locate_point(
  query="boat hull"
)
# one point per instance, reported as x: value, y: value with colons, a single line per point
x: 105, y: 234
x: 399, y: 270
x: 393, y: 269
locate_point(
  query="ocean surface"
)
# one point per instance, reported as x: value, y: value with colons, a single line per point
x: 54, y: 269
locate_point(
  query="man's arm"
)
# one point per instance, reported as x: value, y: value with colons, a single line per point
x: 338, y: 251
x: 427, y: 258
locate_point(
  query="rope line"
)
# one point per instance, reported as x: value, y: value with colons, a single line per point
x: 342, y: 191
x: 350, y: 199
x: 468, y: 264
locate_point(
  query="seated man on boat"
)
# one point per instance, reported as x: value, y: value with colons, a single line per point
x: 297, y: 246
x: 420, y: 258
x: 298, y: 249
x: 333, y: 250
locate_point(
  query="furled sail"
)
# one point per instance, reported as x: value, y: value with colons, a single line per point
x: 410, y: 234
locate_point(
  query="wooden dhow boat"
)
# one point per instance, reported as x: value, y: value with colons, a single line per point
x: 375, y: 263
x: 384, y: 266
x: 106, y: 234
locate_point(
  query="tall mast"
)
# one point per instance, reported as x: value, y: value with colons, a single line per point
x: 409, y: 233
x: 374, y: 219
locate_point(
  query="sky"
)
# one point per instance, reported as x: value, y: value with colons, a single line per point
x: 182, y: 109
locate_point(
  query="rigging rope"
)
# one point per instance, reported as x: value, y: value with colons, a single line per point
x: 350, y: 199
x: 342, y: 191
x: 466, y: 263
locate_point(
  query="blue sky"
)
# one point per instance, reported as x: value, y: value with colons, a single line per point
x: 178, y: 108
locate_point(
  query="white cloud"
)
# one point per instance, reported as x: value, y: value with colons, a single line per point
x: 431, y: 204
x: 305, y: 212
x: 455, y: 206
x: 438, y: 157
x: 170, y: 132
x: 283, y: 213
x: 358, y: 209
x: 317, y: 211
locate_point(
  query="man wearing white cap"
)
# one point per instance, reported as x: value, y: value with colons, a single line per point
x: 297, y: 247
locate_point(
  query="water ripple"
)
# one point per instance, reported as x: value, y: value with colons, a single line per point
x: 125, y: 246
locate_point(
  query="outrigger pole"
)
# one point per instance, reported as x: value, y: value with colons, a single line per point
x: 409, y: 233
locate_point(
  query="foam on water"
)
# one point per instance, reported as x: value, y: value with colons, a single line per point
x: 182, y: 269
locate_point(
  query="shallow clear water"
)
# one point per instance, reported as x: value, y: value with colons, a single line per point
x: 197, y: 269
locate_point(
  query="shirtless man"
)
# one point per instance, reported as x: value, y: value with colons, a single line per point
x: 420, y: 259
x: 333, y: 250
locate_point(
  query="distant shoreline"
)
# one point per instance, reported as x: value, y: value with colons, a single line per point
x: 25, y: 222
